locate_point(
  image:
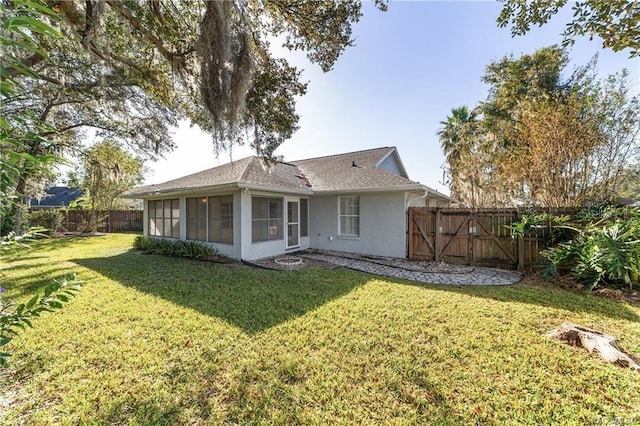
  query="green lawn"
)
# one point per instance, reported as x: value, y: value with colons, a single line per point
x: 156, y: 340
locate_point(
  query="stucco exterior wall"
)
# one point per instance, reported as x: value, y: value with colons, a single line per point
x: 391, y: 165
x: 257, y: 250
x: 430, y: 201
x: 229, y: 250
x: 383, y: 224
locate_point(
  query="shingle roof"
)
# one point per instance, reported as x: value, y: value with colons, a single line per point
x: 57, y: 196
x: 342, y: 172
x: 352, y: 171
x: 246, y: 171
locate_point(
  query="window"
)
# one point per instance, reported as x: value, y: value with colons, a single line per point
x: 304, y: 217
x: 266, y: 219
x: 197, y: 218
x: 210, y: 219
x: 349, y: 216
x: 221, y: 219
x: 164, y: 218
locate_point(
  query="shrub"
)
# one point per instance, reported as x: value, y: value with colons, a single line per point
x: 193, y: 249
x: 178, y: 248
x: 50, y: 219
x: 603, y: 246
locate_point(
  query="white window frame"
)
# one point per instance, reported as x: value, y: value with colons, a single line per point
x: 304, y: 218
x: 206, y: 200
x: 282, y: 218
x: 288, y: 222
x: 341, y: 215
x: 162, y: 219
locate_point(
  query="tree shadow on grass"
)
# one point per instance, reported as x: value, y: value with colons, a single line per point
x: 550, y: 297
x: 252, y: 299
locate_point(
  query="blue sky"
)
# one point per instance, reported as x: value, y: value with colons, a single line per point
x: 409, y: 67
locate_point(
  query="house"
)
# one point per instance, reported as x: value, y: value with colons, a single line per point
x: 354, y: 202
x: 56, y: 197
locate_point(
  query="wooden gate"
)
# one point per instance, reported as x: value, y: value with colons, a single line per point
x: 421, y: 239
x: 463, y: 237
x: 476, y: 237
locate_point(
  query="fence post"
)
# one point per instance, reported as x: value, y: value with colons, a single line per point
x: 520, y: 247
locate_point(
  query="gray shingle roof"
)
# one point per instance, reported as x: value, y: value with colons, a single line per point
x: 342, y: 172
x: 352, y: 171
x: 57, y: 196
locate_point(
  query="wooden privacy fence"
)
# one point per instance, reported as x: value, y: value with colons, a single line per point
x: 476, y: 237
x: 107, y: 221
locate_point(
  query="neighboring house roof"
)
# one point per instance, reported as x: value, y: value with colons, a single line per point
x: 353, y: 171
x: 56, y: 196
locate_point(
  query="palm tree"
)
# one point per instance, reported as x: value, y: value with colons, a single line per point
x: 451, y: 131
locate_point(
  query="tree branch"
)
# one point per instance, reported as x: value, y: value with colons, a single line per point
x: 175, y: 60
x: 74, y: 126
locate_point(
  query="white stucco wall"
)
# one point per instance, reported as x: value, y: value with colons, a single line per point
x: 429, y: 202
x: 251, y: 250
x: 383, y: 224
x: 229, y: 250
x: 391, y: 165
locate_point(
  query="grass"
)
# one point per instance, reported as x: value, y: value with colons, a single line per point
x: 157, y: 340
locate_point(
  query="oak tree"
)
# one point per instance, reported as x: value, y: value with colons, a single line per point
x: 617, y: 22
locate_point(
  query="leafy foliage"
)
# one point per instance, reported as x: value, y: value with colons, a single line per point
x: 23, y: 27
x: 603, y: 245
x: 107, y: 171
x: 13, y: 241
x: 540, y: 139
x: 49, y: 219
x: 176, y: 248
x: 15, y: 318
x: 133, y: 69
x: 617, y: 22
x: 130, y: 71
x: 630, y: 185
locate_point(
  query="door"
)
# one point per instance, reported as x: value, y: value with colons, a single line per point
x: 293, y: 223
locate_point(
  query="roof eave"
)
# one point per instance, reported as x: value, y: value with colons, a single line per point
x: 178, y: 191
x: 394, y: 188
x: 269, y: 188
x: 391, y: 152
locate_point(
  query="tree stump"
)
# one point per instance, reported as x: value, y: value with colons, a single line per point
x: 595, y: 341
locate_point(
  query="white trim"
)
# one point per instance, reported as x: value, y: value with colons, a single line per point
x: 398, y: 161
x: 284, y: 213
x: 274, y: 189
x: 399, y: 188
x: 186, y: 192
x: 288, y: 200
x: 339, y: 234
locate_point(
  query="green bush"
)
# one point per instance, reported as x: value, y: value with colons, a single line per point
x: 193, y: 249
x: 50, y: 219
x: 602, y: 246
x: 178, y: 248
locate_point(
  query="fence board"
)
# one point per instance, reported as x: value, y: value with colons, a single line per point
x: 421, y: 235
x: 478, y: 237
x: 107, y: 221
